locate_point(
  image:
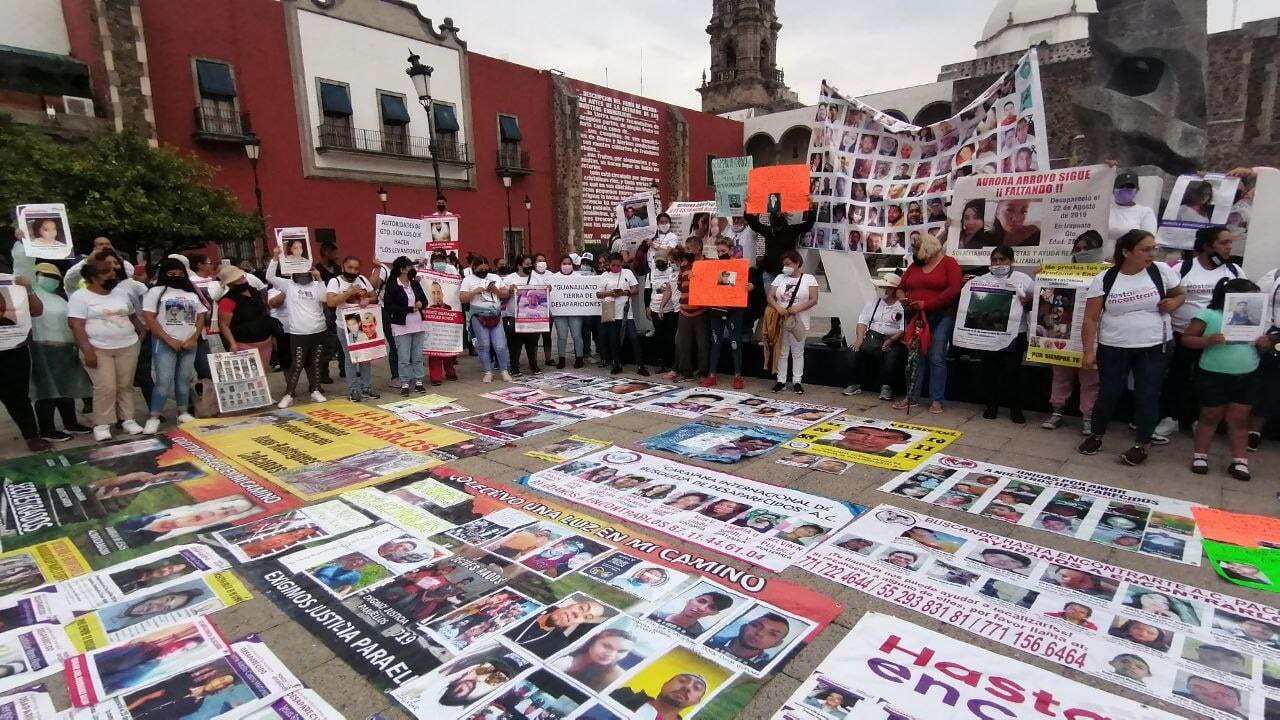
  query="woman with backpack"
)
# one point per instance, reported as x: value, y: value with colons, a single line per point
x: 176, y: 317
x: 793, y: 293
x: 1126, y: 328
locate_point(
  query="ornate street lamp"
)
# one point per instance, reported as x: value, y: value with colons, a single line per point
x: 421, y: 76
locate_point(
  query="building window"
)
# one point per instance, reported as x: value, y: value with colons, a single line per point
x: 446, y: 127
x: 395, y: 122
x: 513, y: 243
x: 335, y: 109
x: 217, y: 113
x: 509, y: 141
x: 711, y: 178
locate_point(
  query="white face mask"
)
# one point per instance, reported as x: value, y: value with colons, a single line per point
x: 540, y: 267
x: 1001, y: 271
x: 788, y: 270
x: 566, y: 269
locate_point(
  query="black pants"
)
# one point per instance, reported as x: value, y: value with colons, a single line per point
x: 393, y: 356
x: 591, y: 335
x: 1175, y: 399
x: 15, y: 392
x: 620, y: 331
x: 283, y: 355
x: 142, y: 373
x: 889, y: 363
x: 1001, y: 373
x: 1114, y: 365
x: 308, y: 354
x: 66, y: 407
x: 546, y: 346
x: 520, y: 341
x: 664, y: 339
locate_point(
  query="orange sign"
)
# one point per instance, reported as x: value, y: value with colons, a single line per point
x: 1237, y: 528
x: 719, y: 283
x: 778, y: 189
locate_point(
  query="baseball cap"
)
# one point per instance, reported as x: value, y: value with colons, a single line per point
x: 588, y: 256
x: 48, y: 269
x: 575, y: 258
x: 1126, y: 178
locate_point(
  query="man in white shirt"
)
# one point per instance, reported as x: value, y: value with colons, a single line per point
x: 349, y: 289
x: 618, y: 290
x: 308, y: 331
x: 881, y: 325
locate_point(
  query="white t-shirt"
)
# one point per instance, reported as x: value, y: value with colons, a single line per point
x: 1199, y: 284
x: 106, y: 317
x: 1131, y: 318
x: 661, y: 245
x: 280, y: 313
x: 485, y: 300
x: 882, y: 317
x: 625, y: 280
x: 1122, y: 219
x: 783, y: 286
x: 176, y: 312
x: 1018, y: 281
x: 659, y: 279
x: 303, y: 304
x: 340, y: 284
x: 1270, y: 284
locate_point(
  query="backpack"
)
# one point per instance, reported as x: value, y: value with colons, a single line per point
x: 1189, y: 263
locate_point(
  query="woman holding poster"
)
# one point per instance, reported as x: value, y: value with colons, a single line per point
x: 569, y: 326
x: 932, y: 286
x: 404, y: 301
x: 443, y: 366
x: 1002, y: 369
x: 486, y: 292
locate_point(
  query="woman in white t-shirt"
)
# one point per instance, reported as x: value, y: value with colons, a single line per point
x: 175, y: 315
x: 485, y: 291
x: 1126, y: 214
x: 106, y: 329
x: 620, y: 298
x: 792, y: 295
x: 350, y: 289
x: 568, y: 326
x: 1126, y: 328
x: 304, y: 303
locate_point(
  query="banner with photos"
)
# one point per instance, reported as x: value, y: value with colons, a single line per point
x: 1153, y: 525
x: 729, y: 175
x: 878, y: 183
x: 442, y: 232
x: 1210, y: 653
x: 239, y: 381
x: 1200, y: 201
x: 15, y: 313
x: 45, y: 232
x: 442, y: 319
x: 1057, y: 314
x: 1047, y: 216
x: 887, y: 444
x: 717, y: 441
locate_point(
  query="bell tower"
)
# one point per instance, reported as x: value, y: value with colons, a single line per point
x: 744, y: 70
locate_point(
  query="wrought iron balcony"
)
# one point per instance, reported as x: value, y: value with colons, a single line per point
x: 512, y: 160
x: 220, y: 124
x: 335, y: 136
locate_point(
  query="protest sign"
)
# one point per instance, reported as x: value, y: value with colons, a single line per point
x: 1257, y: 568
x: 45, y: 232
x: 395, y: 237
x: 730, y: 178
x: 294, y: 244
x: 297, y: 703
x: 1244, y: 316
x: 1196, y: 202
x: 366, y: 339
x: 799, y: 459
x: 717, y: 441
x: 890, y: 664
x: 29, y: 705
x: 879, y: 443
x: 1237, y: 528
x: 574, y: 294
x: 43, y: 607
x: 1057, y: 314
x: 470, y: 447
x: 139, y: 575
x: 584, y: 407
x: 15, y: 314
x: 877, y: 181
x: 763, y: 524
x: 636, y: 217
x: 533, y: 309
x: 117, y: 501
x: 989, y: 316
x: 99, y: 675
x: 287, y: 530
x: 778, y: 189
x: 693, y: 402
x: 574, y: 446
x: 693, y: 219
x: 562, y: 381
x: 624, y: 389
x: 783, y: 414
x: 407, y: 514
x: 239, y: 381
x: 423, y: 408
x: 442, y: 319
x: 39, y: 565
x: 1143, y: 632
x: 1139, y: 522
x: 513, y: 423
x: 32, y: 654
x: 1043, y: 216
x: 719, y: 283
x: 442, y: 232
x: 318, y: 451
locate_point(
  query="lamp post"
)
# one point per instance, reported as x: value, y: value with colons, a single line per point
x: 253, y: 150
x: 382, y: 198
x: 421, y: 76
x: 506, y: 183
x: 528, y: 223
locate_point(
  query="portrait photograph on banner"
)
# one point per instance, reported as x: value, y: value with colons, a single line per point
x: 729, y: 175
x: 637, y: 219
x: 1196, y: 202
x: 15, y: 314
x: 989, y: 317
x: 533, y: 308
x: 778, y: 189
x: 295, y: 250
x: 46, y: 234
x: 442, y: 233
x: 442, y: 318
x: 719, y: 283
x: 1057, y: 314
x: 364, y: 332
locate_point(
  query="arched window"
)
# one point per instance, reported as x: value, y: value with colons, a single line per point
x: 936, y: 111
x: 762, y: 150
x: 898, y: 114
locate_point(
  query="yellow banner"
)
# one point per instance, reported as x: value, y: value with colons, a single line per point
x: 878, y: 443
x: 47, y: 562
x: 1057, y: 313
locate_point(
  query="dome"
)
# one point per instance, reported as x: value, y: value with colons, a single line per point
x: 1018, y: 24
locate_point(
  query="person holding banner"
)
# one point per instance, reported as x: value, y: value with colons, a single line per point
x: 516, y: 341
x: 542, y: 277
x: 663, y: 310
x: 244, y: 318
x: 106, y: 328
x: 57, y: 377
x: 619, y: 291
x: 176, y: 317
x: 724, y: 326
x: 1126, y: 329
x: 347, y: 289
x: 691, y: 333
x: 932, y: 285
x: 1002, y: 369
x: 779, y: 237
x: 787, y: 301
x: 404, y: 300
x: 568, y: 325
x: 441, y: 367
x: 1126, y: 214
x: 486, y: 293
x: 304, y: 304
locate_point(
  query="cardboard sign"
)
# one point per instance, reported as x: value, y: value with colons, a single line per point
x: 730, y: 178
x: 395, y: 237
x: 778, y: 189
x: 719, y: 283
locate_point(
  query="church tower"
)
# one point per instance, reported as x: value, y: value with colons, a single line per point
x: 744, y: 69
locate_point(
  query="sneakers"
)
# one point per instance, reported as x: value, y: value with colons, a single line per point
x: 1086, y: 426
x: 578, y: 363
x: 77, y: 429
x: 1255, y: 441
x: 798, y: 388
x: 778, y: 386
x: 487, y: 377
x: 852, y: 390
x: 1091, y: 445
x: 185, y: 417
x: 886, y: 392
x: 131, y: 426
x: 55, y: 436
x: 405, y: 390
x: 1200, y: 464
x: 418, y: 387
x: 371, y: 393
x: 990, y: 412
x: 708, y: 381
x: 36, y: 444
x: 643, y: 371
x: 1053, y: 422
x: 1166, y: 427
x: 102, y: 433
x: 318, y: 396
x: 506, y: 376
x: 152, y: 426
x: 1135, y: 455
x: 738, y: 382
x: 1017, y: 418
x: 285, y: 402
x: 1158, y: 439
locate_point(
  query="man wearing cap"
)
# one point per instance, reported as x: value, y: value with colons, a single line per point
x: 877, y: 337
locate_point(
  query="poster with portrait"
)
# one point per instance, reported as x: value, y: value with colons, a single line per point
x: 364, y: 332
x: 46, y: 234
x: 717, y: 441
x: 878, y: 184
x: 99, y: 675
x: 32, y: 654
x: 239, y: 381
x: 442, y: 232
x: 574, y: 446
x: 284, y: 531
x: 15, y: 313
x: 1257, y: 568
x: 442, y: 318
x: 1057, y: 313
x: 719, y: 283
x: 729, y: 175
x: 1045, y: 216
x: 294, y: 244
x: 777, y: 189
x: 31, y: 704
x: 395, y: 237
x: 989, y: 316
x: 637, y: 219
x: 533, y: 308
x: 513, y: 423
x: 887, y: 444
x: 1244, y: 316
x: 693, y: 218
x: 694, y: 402
x: 1196, y: 202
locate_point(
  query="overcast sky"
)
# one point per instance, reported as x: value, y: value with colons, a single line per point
x: 861, y: 46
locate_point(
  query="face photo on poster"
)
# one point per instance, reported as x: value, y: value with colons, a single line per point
x: 758, y: 637
x: 717, y: 441
x: 1244, y: 316
x: 563, y: 556
x: 294, y: 244
x: 46, y: 234
x: 555, y: 628
x: 679, y: 678
x: 1196, y: 202
x: 698, y: 609
x: 442, y: 232
x: 462, y: 682
x: 15, y: 313
x: 482, y: 618
x: 642, y: 579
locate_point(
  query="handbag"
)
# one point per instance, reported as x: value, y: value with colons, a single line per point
x: 792, y: 325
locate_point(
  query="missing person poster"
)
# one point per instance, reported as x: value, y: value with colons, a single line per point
x: 878, y: 183
x: 39, y: 565
x: 574, y: 294
x: 44, y: 229
x: 1196, y: 202
x: 1257, y: 568
x: 763, y: 524
x: 1043, y: 216
x: 294, y: 244
x: 32, y: 654
x: 442, y: 232
x: 1057, y: 314
x: 32, y: 704
x: 442, y: 318
x: 637, y: 218
x: 778, y: 189
x: 694, y: 402
x: 363, y: 331
x: 989, y: 316
x: 884, y: 444
x: 693, y: 219
x: 239, y: 381
x: 287, y: 530
x: 1244, y: 316
x: 1197, y: 649
x: 1153, y: 525
x: 719, y: 283
x: 730, y: 178
x: 99, y: 675
x: 574, y: 446
x: 395, y: 237
x: 717, y: 441
x: 513, y: 423
x: 886, y: 669
x: 533, y: 309
x: 15, y: 313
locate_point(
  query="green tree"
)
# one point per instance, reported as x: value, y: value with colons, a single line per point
x: 117, y: 185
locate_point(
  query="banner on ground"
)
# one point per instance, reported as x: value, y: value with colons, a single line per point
x: 693, y: 402
x: 239, y: 381
x: 884, y: 444
x: 785, y: 414
x: 574, y: 294
x: 1201, y: 650
x: 442, y: 232
x: 318, y: 451
x: 628, y: 390
x: 1197, y: 202
x: 1149, y: 524
x: 584, y: 407
x: 517, y: 395
x: 32, y: 654
x: 366, y: 338
x: 730, y: 178
x: 876, y: 181
x: 287, y: 530
x: 513, y: 423
x: 15, y: 314
x: 637, y: 219
x: 719, y: 283
x: 574, y: 446
x: 533, y: 309
x: 294, y: 244
x: 1237, y: 528
x: 46, y: 234
x: 1057, y: 314
x: 1257, y: 568
x: 423, y: 407
x: 443, y: 318
x: 34, y: 704
x: 39, y: 565
x: 777, y: 189
x: 395, y: 237
x: 765, y: 525
x: 989, y: 316
x: 717, y: 441
x: 1044, y: 216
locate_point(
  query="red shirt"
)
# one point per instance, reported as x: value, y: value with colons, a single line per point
x: 937, y: 290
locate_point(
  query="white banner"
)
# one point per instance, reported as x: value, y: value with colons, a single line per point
x: 284, y: 531
x: 239, y: 380
x: 366, y: 339
x: 574, y: 294
x: 46, y: 234
x: 295, y: 250
x: 395, y: 237
x: 15, y: 314
x: 989, y: 316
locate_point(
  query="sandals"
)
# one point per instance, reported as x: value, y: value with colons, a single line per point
x: 1239, y: 470
x: 1200, y: 465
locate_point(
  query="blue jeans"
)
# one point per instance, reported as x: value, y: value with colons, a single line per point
x: 569, y: 326
x: 171, y: 370
x: 940, y: 328
x: 359, y: 375
x: 1114, y: 365
x: 725, y: 328
x: 409, y: 366
x: 490, y: 339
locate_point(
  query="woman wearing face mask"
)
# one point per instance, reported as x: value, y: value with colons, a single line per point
x: 244, y: 317
x: 691, y: 352
x: 932, y: 286
x: 304, y: 302
x: 404, y: 301
x: 350, y: 289
x: 517, y: 341
x: 794, y: 293
x: 1200, y: 275
x: 379, y: 279
x: 664, y: 304
x: 57, y: 377
x: 106, y: 328
x: 175, y: 316
x: 441, y: 367
x: 486, y: 292
x: 1126, y: 214
x: 618, y: 291
x: 542, y: 273
x: 1002, y: 369
x: 725, y: 327
x: 568, y: 325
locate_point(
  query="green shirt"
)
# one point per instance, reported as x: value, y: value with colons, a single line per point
x: 1230, y: 358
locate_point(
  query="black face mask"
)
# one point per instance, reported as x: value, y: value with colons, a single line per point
x: 350, y: 277
x: 481, y: 272
x: 526, y: 269
x: 723, y: 256
x: 660, y: 264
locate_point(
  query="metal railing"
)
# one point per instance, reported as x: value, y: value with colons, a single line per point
x: 333, y: 136
x: 511, y: 157
x: 213, y: 122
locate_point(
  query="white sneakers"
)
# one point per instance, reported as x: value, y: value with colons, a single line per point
x: 152, y: 427
x: 506, y: 376
x: 132, y: 427
x: 185, y: 417
x: 488, y: 378
x: 1166, y: 427
x: 102, y: 433
x: 318, y: 396
x: 285, y: 402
